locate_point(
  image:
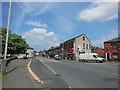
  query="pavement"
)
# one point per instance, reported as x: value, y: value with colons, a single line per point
x: 18, y: 76
x: 84, y: 75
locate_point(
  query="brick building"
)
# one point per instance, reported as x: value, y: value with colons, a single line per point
x: 53, y: 51
x: 112, y: 48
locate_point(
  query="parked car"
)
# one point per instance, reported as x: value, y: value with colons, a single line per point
x: 57, y: 57
x: 25, y: 57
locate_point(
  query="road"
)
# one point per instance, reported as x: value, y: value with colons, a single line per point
x: 48, y: 77
x: 85, y: 75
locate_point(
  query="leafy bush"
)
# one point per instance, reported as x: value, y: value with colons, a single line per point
x: 114, y: 59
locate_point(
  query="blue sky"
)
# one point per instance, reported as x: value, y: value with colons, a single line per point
x: 46, y: 24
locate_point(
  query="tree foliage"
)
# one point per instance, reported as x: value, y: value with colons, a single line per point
x: 16, y: 44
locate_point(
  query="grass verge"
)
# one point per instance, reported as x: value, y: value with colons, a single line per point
x: 3, y: 74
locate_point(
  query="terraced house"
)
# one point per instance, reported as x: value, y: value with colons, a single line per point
x: 112, y: 49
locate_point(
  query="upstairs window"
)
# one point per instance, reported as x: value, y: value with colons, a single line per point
x: 113, y: 44
x: 86, y: 46
x: 83, y: 45
x: 89, y: 46
x: 83, y: 38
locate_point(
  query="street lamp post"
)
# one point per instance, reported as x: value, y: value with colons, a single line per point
x: 6, y: 43
x: 8, y: 25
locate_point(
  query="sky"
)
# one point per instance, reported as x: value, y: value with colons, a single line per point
x: 46, y: 24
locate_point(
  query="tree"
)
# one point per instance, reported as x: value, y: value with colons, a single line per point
x: 16, y: 44
x: 93, y: 48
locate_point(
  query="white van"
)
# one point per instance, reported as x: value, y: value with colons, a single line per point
x: 86, y: 57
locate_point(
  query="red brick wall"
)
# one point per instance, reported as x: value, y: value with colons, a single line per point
x: 100, y: 52
x: 107, y: 45
x: 109, y: 49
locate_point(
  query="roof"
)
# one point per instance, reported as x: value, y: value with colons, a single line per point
x: 30, y: 48
x: 117, y: 39
x: 77, y: 37
x: 52, y: 48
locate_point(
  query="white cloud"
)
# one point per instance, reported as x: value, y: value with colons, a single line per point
x: 30, y: 9
x: 109, y: 36
x: 44, y: 9
x: 50, y: 34
x: 37, y: 24
x: 40, y: 39
x: 35, y: 8
x: 100, y: 11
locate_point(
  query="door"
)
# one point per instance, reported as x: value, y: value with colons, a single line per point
x: 108, y: 56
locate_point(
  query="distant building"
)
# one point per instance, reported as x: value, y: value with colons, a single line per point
x: 75, y: 46
x: 112, y: 48
x: 30, y: 52
x: 53, y: 51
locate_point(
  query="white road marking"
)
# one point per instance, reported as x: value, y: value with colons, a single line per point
x: 52, y: 70
x: 48, y: 67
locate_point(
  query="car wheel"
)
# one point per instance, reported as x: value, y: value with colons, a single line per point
x: 97, y: 61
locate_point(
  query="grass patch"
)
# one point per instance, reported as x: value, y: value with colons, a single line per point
x: 3, y: 74
x: 0, y: 75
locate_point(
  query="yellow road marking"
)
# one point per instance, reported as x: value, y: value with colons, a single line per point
x: 33, y: 74
x: 46, y: 88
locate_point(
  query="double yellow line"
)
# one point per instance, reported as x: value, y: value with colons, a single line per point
x: 33, y: 74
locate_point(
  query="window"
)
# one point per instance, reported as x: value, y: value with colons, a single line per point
x: 89, y: 46
x: 65, y: 46
x: 72, y: 44
x: 86, y: 46
x: 113, y: 44
x: 83, y: 38
x: 114, y: 55
x: 69, y: 45
x: 94, y: 56
x: 83, y: 45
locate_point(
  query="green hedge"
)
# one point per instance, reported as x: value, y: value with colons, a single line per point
x: 114, y: 59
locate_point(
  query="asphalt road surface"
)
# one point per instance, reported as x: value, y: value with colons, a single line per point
x: 50, y: 79
x: 84, y: 75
